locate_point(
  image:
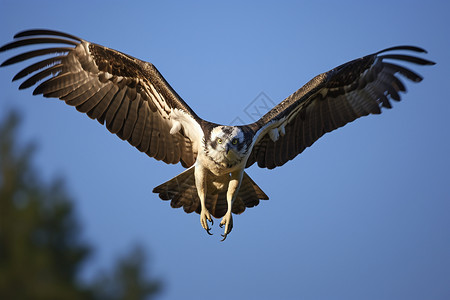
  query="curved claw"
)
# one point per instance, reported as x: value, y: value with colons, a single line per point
x: 212, y: 222
x: 204, y: 218
x: 227, y: 221
x: 207, y: 230
x: 224, y: 237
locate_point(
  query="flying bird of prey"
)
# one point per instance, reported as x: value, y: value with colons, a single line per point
x: 135, y: 102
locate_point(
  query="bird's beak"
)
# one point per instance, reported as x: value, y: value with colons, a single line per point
x: 230, y: 153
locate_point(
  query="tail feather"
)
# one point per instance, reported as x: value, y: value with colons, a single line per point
x: 182, y: 192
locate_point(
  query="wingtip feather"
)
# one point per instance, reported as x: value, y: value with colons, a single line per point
x: 32, y: 32
x: 404, y: 47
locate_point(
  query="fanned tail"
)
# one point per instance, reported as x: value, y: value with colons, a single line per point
x: 182, y: 192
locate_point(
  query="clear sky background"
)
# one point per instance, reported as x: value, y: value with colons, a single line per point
x: 362, y: 214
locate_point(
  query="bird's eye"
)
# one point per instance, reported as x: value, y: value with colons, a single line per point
x: 234, y: 141
x: 219, y: 140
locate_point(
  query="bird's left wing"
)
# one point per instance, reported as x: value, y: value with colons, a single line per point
x: 129, y: 95
x: 329, y: 101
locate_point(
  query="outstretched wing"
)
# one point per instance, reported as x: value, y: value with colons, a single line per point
x: 127, y: 94
x: 329, y: 101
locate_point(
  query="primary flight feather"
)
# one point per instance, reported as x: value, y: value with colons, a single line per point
x: 135, y: 102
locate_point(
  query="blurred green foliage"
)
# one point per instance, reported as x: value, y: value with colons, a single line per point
x: 41, y: 253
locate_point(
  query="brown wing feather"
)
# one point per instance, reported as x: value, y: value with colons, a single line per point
x: 329, y: 101
x: 130, y: 96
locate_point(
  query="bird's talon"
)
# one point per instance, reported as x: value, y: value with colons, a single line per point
x: 224, y: 237
x: 204, y: 218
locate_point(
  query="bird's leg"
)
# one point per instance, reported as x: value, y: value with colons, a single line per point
x: 233, y: 189
x: 200, y: 182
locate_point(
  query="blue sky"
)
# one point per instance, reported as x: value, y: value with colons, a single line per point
x: 362, y: 214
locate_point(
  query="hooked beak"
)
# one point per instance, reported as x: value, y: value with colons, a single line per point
x: 230, y: 153
x: 227, y: 148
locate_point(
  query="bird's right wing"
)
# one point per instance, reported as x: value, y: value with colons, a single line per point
x: 127, y: 94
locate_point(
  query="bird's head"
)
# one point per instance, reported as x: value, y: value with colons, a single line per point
x: 227, y: 144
